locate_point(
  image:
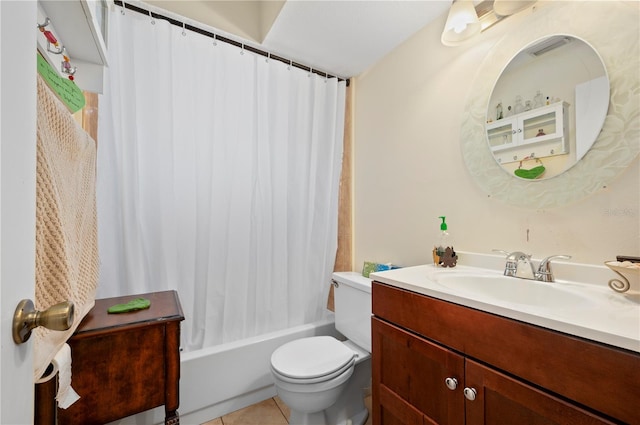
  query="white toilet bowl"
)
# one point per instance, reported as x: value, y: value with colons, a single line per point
x: 321, y: 379
x: 315, y: 378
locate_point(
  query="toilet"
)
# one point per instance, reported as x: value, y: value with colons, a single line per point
x: 321, y: 378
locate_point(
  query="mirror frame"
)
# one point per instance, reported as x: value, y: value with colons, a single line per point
x: 619, y: 141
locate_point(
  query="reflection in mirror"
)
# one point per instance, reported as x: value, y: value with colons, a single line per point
x: 547, y: 107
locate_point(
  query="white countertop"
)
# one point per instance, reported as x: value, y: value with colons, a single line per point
x: 612, y: 318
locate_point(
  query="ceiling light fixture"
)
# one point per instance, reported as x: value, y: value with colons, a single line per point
x: 462, y: 23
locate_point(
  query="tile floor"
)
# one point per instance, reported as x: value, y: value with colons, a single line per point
x: 268, y: 412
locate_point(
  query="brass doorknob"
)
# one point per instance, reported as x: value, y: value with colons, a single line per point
x: 58, y: 317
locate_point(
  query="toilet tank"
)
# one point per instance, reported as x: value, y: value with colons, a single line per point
x: 352, y: 303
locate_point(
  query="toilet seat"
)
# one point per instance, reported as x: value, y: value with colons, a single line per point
x: 311, y: 360
x: 319, y: 379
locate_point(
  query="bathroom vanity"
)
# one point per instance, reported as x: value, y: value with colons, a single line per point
x: 126, y: 363
x: 441, y: 362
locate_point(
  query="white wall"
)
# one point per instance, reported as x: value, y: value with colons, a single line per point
x: 408, y: 167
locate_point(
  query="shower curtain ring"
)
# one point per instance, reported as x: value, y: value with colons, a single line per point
x: 184, y: 33
x: 215, y: 41
x: 242, y: 50
x: 268, y: 57
x: 153, y: 21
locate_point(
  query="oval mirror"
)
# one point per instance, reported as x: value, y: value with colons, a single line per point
x: 547, y: 107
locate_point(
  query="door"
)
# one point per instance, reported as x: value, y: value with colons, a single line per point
x: 17, y: 201
x: 414, y: 380
x: 499, y: 399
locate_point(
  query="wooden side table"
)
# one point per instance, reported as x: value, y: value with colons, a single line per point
x: 123, y: 364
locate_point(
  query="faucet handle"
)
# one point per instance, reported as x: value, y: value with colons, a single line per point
x: 518, y: 256
x: 544, y: 269
x: 513, y: 258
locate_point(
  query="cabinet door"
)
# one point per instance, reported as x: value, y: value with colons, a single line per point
x: 501, y: 400
x: 116, y: 375
x: 409, y: 376
x: 502, y: 134
x: 541, y: 125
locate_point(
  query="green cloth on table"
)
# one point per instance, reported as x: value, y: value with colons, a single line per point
x: 136, y: 304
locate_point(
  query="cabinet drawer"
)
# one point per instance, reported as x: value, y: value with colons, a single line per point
x: 604, y: 378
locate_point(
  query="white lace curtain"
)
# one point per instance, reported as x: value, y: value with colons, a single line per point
x: 218, y: 176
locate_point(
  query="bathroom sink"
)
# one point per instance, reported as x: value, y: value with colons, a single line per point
x: 511, y: 290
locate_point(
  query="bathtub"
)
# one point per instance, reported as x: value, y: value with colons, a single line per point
x: 218, y: 380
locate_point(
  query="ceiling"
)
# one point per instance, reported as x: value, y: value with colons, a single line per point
x: 340, y: 37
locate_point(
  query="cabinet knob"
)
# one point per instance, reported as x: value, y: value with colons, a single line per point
x: 451, y: 383
x: 470, y: 393
x: 519, y: 130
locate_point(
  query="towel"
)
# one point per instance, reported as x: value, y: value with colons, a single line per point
x: 66, y: 223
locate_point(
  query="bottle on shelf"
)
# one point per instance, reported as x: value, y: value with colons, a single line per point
x: 518, y: 107
x: 538, y: 100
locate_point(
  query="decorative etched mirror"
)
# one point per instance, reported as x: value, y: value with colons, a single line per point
x: 616, y: 145
x: 547, y: 107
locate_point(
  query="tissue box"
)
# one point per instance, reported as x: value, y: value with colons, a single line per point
x: 371, y: 267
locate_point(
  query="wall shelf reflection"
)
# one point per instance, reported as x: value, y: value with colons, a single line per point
x: 513, y: 138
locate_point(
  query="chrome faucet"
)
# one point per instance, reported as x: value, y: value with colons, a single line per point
x: 520, y: 265
x: 523, y: 266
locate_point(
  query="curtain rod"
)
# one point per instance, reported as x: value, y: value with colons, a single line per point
x: 217, y: 37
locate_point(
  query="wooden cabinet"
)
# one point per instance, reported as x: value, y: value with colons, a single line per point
x: 517, y: 373
x: 540, y: 132
x: 123, y: 364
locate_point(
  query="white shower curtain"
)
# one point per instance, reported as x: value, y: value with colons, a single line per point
x: 218, y: 176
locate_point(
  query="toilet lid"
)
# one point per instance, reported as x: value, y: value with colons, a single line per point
x: 311, y: 357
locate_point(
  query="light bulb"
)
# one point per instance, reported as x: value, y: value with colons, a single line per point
x: 458, y: 28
